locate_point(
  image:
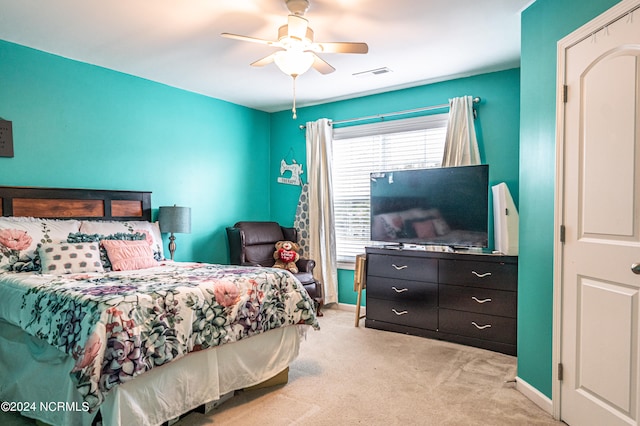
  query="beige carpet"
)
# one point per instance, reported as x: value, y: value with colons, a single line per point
x: 349, y: 376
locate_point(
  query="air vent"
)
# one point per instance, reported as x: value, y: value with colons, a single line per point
x: 377, y: 71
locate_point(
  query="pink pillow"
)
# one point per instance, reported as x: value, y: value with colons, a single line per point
x: 425, y: 229
x: 129, y: 255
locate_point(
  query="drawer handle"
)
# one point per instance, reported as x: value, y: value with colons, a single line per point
x: 399, y: 268
x: 481, y: 327
x: 486, y: 274
x: 399, y: 313
x: 401, y: 290
x: 480, y: 301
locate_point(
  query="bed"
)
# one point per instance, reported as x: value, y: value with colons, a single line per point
x: 96, y: 326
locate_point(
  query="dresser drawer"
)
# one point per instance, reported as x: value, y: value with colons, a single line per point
x: 497, y: 275
x: 479, y: 326
x: 403, y: 267
x: 410, y: 313
x: 479, y: 300
x: 402, y: 290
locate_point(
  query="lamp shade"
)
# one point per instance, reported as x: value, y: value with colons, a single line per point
x: 292, y: 62
x: 175, y: 219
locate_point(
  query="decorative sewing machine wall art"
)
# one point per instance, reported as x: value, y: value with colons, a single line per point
x: 294, y: 168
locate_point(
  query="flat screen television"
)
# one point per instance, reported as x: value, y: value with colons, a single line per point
x: 445, y: 206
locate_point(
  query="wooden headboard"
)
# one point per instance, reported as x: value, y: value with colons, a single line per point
x: 64, y: 203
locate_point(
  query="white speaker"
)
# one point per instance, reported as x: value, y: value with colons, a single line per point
x: 505, y: 220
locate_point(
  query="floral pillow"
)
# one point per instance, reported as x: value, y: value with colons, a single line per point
x: 150, y: 229
x: 20, y: 236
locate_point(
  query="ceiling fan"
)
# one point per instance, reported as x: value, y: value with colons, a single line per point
x: 297, y: 48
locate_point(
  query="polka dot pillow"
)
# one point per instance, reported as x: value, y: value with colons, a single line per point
x: 20, y: 236
x: 70, y: 258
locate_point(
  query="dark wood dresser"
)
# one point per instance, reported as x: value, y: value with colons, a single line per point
x: 467, y: 298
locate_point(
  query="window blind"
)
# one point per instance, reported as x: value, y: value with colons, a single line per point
x: 412, y: 143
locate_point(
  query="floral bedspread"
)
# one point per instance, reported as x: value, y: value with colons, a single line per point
x: 117, y: 326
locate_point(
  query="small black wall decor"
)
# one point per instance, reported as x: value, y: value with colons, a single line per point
x: 6, y: 138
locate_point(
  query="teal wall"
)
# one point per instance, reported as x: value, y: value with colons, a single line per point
x: 497, y: 130
x: 543, y: 24
x: 78, y: 125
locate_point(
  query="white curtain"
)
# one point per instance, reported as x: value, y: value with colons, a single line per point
x: 322, y: 240
x: 461, y: 145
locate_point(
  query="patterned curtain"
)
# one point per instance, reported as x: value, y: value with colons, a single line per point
x: 301, y: 222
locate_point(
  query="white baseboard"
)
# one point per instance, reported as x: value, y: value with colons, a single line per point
x: 534, y: 395
x: 347, y: 307
x: 344, y: 307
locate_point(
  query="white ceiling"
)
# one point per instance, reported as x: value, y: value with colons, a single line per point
x: 178, y: 43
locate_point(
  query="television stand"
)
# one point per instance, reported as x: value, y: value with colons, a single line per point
x: 462, y: 297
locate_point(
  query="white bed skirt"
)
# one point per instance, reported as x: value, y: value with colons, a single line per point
x: 37, y: 374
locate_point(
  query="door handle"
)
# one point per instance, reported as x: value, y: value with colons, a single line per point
x: 635, y: 268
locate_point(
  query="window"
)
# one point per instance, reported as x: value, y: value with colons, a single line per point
x: 413, y: 143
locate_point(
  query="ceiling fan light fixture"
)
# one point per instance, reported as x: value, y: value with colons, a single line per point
x: 293, y: 62
x: 297, y: 7
x: 297, y: 46
x: 290, y: 39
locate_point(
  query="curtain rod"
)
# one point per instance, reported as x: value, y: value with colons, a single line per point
x: 393, y: 114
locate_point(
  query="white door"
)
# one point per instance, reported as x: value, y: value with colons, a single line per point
x: 600, y: 155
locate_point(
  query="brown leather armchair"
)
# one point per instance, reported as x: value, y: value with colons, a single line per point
x: 253, y: 244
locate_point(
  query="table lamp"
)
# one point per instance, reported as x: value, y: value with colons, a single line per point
x: 174, y: 219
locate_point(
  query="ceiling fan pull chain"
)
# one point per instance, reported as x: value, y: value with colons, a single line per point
x: 293, y: 110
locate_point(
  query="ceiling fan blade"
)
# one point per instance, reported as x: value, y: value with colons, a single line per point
x: 250, y: 39
x: 264, y: 61
x: 297, y: 27
x: 341, y: 47
x: 321, y: 65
